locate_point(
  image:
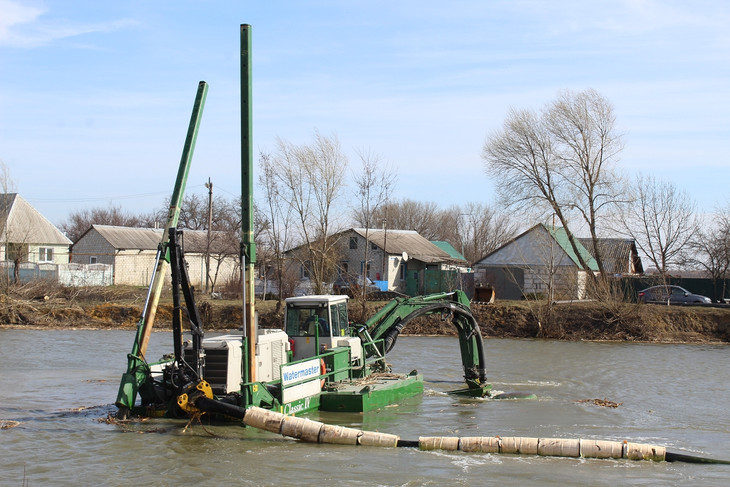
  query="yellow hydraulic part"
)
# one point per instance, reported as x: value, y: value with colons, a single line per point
x: 186, y: 402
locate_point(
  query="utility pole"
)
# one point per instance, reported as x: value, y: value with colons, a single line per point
x: 385, y: 253
x: 208, y: 185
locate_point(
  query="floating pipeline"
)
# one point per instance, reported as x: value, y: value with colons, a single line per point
x: 316, y: 432
x: 546, y: 447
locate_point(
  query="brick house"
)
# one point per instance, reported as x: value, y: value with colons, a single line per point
x: 132, y: 252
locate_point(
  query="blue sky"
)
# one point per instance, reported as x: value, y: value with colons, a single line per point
x: 95, y: 97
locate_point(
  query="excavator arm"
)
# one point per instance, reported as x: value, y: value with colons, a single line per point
x: 389, y: 321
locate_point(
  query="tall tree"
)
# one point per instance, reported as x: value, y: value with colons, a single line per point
x: 583, y: 127
x: 710, y: 252
x: 311, y: 179
x: 560, y: 160
x: 373, y: 185
x: 278, y: 215
x: 662, y: 220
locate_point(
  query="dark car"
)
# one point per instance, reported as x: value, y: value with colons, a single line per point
x: 350, y: 284
x: 671, y: 294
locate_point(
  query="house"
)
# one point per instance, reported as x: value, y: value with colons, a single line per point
x: 537, y: 262
x: 132, y: 252
x: 28, y: 237
x: 397, y: 260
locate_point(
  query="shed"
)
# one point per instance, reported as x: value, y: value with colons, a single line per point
x: 538, y: 262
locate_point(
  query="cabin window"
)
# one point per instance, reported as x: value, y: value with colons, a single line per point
x: 353, y: 243
x: 45, y: 254
x: 338, y: 328
x: 307, y: 321
x: 92, y: 260
x: 342, y: 308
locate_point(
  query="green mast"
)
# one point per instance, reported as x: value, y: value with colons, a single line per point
x: 135, y: 375
x: 248, y: 246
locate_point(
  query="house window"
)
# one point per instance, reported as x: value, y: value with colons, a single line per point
x: 373, y: 246
x: 303, y: 272
x: 45, y: 254
x: 17, y: 252
x: 353, y: 243
x: 92, y: 260
x: 362, y: 267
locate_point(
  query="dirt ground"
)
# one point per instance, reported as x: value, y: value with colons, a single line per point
x: 105, y: 308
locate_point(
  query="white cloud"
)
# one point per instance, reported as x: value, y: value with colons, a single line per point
x: 22, y: 26
x: 15, y: 14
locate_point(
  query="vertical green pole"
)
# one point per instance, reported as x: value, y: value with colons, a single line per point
x: 248, y: 246
x: 132, y: 379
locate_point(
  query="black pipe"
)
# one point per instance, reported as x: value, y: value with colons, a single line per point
x: 679, y: 457
x: 213, y: 406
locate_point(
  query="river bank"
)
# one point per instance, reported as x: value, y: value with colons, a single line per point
x: 109, y: 308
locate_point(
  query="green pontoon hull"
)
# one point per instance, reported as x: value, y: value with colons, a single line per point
x: 377, y: 391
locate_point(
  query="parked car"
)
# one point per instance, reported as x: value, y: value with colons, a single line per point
x: 673, y: 294
x: 350, y: 284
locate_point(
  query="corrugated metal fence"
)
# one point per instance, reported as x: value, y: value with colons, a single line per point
x: 65, y: 274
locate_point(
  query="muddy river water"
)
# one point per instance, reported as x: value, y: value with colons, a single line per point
x: 60, y: 385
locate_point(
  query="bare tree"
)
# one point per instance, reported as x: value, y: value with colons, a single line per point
x: 8, y: 186
x: 80, y: 221
x: 194, y: 212
x: 373, y: 186
x: 311, y: 181
x: 710, y: 251
x: 523, y: 161
x: 583, y: 127
x: 481, y: 230
x: 661, y: 219
x: 558, y: 161
x: 410, y: 215
x: 276, y: 236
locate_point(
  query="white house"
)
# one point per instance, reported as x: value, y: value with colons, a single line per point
x: 27, y: 236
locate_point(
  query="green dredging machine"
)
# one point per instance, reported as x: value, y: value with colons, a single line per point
x: 319, y: 360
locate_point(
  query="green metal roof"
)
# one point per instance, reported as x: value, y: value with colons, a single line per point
x: 561, y: 237
x: 448, y: 248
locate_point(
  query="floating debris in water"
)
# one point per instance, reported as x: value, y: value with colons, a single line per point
x: 601, y: 402
x: 6, y: 424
